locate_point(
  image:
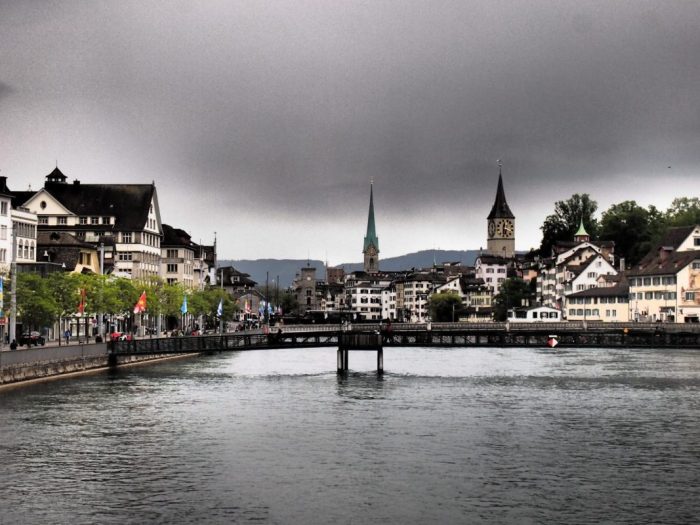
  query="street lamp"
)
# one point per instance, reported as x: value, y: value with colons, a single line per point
x: 13, y: 284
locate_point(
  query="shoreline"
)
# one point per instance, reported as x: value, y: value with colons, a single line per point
x: 95, y: 370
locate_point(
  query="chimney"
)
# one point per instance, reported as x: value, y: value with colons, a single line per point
x: 664, y: 252
x: 622, y: 264
x: 76, y: 182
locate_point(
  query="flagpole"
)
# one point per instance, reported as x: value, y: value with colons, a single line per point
x: 221, y: 315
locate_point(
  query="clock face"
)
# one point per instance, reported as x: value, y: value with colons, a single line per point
x: 508, y: 228
x: 492, y: 228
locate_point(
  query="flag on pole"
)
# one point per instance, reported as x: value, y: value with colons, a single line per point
x: 83, y: 300
x: 183, y: 308
x: 220, y: 309
x: 140, y: 305
x: 247, y: 307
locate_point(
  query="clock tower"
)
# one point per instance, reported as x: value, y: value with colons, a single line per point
x: 501, y: 224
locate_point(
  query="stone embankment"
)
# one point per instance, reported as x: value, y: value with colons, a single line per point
x: 52, y: 361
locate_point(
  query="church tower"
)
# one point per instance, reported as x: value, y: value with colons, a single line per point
x: 371, y: 245
x: 501, y: 224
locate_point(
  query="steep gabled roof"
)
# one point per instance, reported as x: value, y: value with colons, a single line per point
x: 668, y: 263
x: 129, y: 203
x: 674, y: 237
x: 175, y: 237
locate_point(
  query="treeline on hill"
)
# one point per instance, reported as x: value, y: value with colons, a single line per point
x: 43, y: 300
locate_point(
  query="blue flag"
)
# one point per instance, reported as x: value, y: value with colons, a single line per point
x: 183, y: 308
x: 220, y: 309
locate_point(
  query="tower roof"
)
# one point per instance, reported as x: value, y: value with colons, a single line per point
x: 500, y: 206
x: 371, y: 238
x: 581, y: 230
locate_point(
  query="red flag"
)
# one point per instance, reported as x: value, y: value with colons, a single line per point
x: 83, y: 300
x: 140, y: 305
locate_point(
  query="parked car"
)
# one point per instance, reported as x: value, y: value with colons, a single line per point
x: 120, y: 336
x: 31, y: 338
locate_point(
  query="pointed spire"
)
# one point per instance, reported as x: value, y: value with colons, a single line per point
x: 500, y: 206
x: 581, y: 230
x: 371, y: 236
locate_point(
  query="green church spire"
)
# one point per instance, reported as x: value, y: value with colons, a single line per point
x: 581, y: 230
x: 371, y: 238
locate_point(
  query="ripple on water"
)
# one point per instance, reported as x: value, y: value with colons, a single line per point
x: 444, y: 436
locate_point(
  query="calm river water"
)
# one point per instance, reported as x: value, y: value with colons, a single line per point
x: 444, y: 436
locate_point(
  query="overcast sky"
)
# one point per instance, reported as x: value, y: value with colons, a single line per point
x: 266, y: 121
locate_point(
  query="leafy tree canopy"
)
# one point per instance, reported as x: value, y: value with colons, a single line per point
x: 513, y: 293
x: 564, y: 222
x: 445, y: 307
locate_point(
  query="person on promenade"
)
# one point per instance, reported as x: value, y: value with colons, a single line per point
x: 13, y: 345
x: 66, y: 334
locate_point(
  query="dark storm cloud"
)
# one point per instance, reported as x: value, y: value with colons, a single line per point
x: 295, y: 106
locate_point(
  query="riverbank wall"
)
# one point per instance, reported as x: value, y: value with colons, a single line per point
x: 45, y: 362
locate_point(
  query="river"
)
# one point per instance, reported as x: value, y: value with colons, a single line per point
x: 458, y: 435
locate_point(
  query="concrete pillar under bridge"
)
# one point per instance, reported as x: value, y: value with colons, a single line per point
x: 365, y: 341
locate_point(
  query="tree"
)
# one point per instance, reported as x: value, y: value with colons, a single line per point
x: 36, y: 305
x: 632, y: 229
x: 445, y: 307
x: 564, y: 222
x: 684, y: 211
x: 288, y: 302
x: 513, y: 293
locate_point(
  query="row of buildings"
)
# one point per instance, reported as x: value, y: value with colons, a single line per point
x: 582, y: 280
x: 117, y: 229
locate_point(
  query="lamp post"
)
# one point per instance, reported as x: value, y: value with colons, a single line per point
x: 100, y: 327
x: 13, y: 284
x: 221, y: 317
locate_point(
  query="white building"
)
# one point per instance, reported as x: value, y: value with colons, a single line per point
x: 535, y: 314
x: 493, y: 270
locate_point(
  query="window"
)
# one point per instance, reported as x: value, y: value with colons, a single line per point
x: 3, y: 255
x: 125, y: 256
x: 658, y: 295
x: 171, y: 281
x: 656, y: 281
x: 647, y: 281
x: 3, y: 232
x: 63, y: 220
x: 696, y: 265
x: 671, y: 295
x: 105, y: 220
x: 83, y: 220
x: 690, y: 296
x: 94, y: 220
x: 126, y: 237
x: 3, y: 208
x: 696, y: 241
x: 43, y: 220
x: 85, y: 259
x: 171, y: 268
x: 171, y: 253
x: 648, y: 295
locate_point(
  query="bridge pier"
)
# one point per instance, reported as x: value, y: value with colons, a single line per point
x: 343, y: 354
x: 359, y: 341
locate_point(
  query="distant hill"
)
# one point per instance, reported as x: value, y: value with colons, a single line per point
x: 286, y: 269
